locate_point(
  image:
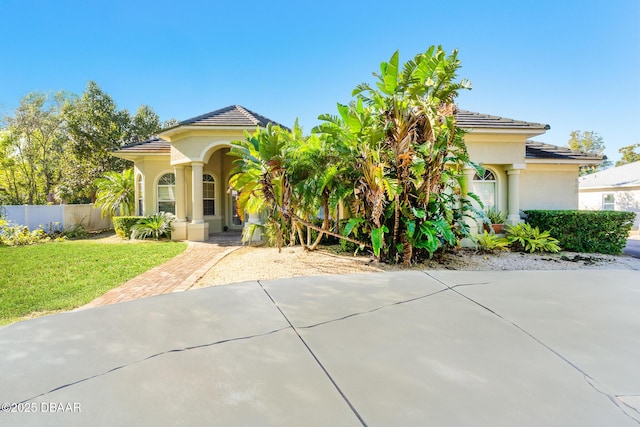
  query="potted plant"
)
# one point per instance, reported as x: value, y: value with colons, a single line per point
x: 497, y: 219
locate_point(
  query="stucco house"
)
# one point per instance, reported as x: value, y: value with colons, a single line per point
x: 185, y: 169
x: 612, y: 189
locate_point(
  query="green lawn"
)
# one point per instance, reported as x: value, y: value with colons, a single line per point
x: 52, y: 277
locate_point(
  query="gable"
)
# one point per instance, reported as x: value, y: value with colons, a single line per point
x: 233, y: 115
x: 232, y: 118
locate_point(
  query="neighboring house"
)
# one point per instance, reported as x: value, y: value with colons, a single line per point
x: 612, y: 189
x: 185, y: 170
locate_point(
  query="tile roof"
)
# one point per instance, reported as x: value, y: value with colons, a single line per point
x: 233, y: 115
x: 623, y: 176
x: 151, y: 145
x: 540, y: 150
x: 237, y: 115
x: 469, y: 119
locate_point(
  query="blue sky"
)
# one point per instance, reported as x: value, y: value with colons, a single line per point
x: 572, y: 64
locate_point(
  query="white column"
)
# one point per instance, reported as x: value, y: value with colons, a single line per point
x: 196, y: 192
x: 136, y: 194
x: 198, y: 229
x: 513, y: 195
x: 139, y: 193
x: 181, y: 199
x: 179, y: 227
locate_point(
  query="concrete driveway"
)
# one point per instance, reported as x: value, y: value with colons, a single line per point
x: 442, y: 348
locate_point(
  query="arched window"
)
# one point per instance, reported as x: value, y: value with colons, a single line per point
x: 208, y: 194
x: 167, y: 193
x: 140, y: 196
x: 485, y: 187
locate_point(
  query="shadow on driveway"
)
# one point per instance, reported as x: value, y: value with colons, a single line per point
x: 633, y: 247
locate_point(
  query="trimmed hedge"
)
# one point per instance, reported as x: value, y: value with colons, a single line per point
x: 585, y: 231
x: 122, y: 225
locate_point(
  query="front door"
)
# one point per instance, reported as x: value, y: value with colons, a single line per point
x: 235, y: 222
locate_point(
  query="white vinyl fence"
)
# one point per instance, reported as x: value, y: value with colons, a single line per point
x: 68, y: 216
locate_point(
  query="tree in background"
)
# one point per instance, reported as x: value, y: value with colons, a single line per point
x: 592, y: 143
x: 629, y: 154
x: 60, y: 144
x: 32, y: 147
x: 142, y: 125
x: 95, y: 128
x: 10, y: 178
x: 170, y: 123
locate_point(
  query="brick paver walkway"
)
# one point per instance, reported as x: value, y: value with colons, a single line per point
x: 177, y: 274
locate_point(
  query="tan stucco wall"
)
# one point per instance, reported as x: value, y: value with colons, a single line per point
x: 495, y: 148
x: 152, y: 168
x: 198, y: 145
x: 549, y: 186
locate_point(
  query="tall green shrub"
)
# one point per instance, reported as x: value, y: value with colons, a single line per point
x: 585, y: 231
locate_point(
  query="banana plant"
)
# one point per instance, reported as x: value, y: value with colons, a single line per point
x: 416, y: 149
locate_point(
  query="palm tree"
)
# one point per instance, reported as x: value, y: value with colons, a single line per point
x: 317, y: 174
x: 260, y: 178
x: 288, y: 177
x: 116, y: 193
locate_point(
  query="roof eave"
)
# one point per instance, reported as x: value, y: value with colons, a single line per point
x: 128, y: 155
x: 609, y: 187
x: 167, y: 134
x: 580, y: 162
x: 520, y: 131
